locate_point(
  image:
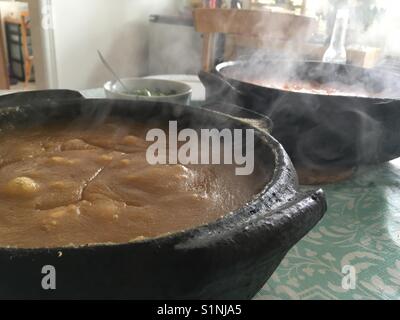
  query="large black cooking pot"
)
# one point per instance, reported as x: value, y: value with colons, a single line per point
x: 319, y: 131
x: 231, y: 258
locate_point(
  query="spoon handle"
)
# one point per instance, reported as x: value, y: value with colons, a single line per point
x: 111, y: 70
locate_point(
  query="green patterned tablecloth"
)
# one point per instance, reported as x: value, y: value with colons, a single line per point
x: 360, y: 229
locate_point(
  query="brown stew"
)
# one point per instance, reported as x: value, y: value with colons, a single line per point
x: 313, y: 87
x: 68, y: 186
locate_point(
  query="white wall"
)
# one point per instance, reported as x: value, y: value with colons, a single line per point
x: 117, y: 27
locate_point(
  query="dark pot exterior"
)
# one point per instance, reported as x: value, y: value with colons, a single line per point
x: 231, y: 258
x: 319, y: 130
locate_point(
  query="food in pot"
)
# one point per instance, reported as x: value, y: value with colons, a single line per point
x: 314, y: 78
x: 67, y: 185
x: 314, y: 87
x: 373, y: 89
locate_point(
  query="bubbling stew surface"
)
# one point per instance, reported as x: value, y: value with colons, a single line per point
x: 64, y: 186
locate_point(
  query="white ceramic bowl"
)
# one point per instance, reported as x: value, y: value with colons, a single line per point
x: 182, y: 92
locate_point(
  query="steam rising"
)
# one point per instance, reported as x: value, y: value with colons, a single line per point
x: 344, y: 116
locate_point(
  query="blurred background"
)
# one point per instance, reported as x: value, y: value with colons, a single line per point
x: 53, y: 43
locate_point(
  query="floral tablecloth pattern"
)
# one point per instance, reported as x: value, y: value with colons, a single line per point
x: 360, y: 229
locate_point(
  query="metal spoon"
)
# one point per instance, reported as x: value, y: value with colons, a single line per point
x: 107, y: 65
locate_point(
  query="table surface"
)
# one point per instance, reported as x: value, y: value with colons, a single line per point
x: 360, y: 229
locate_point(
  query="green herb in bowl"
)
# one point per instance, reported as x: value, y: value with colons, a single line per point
x: 154, y: 93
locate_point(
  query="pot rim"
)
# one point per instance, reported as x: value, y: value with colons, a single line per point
x: 233, y: 63
x: 281, y: 161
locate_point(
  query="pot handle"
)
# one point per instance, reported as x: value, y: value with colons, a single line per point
x: 247, y: 116
x: 288, y: 225
x: 275, y: 231
x: 32, y: 97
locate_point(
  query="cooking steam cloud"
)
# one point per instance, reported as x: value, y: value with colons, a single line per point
x: 339, y: 119
x: 341, y: 127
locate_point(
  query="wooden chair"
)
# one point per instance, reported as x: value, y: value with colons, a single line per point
x: 4, y: 78
x: 28, y: 58
x: 255, y: 28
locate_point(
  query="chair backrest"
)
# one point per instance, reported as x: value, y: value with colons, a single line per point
x: 265, y: 26
x: 25, y: 25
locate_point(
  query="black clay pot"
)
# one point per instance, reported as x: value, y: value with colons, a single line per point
x: 231, y: 258
x: 317, y: 130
